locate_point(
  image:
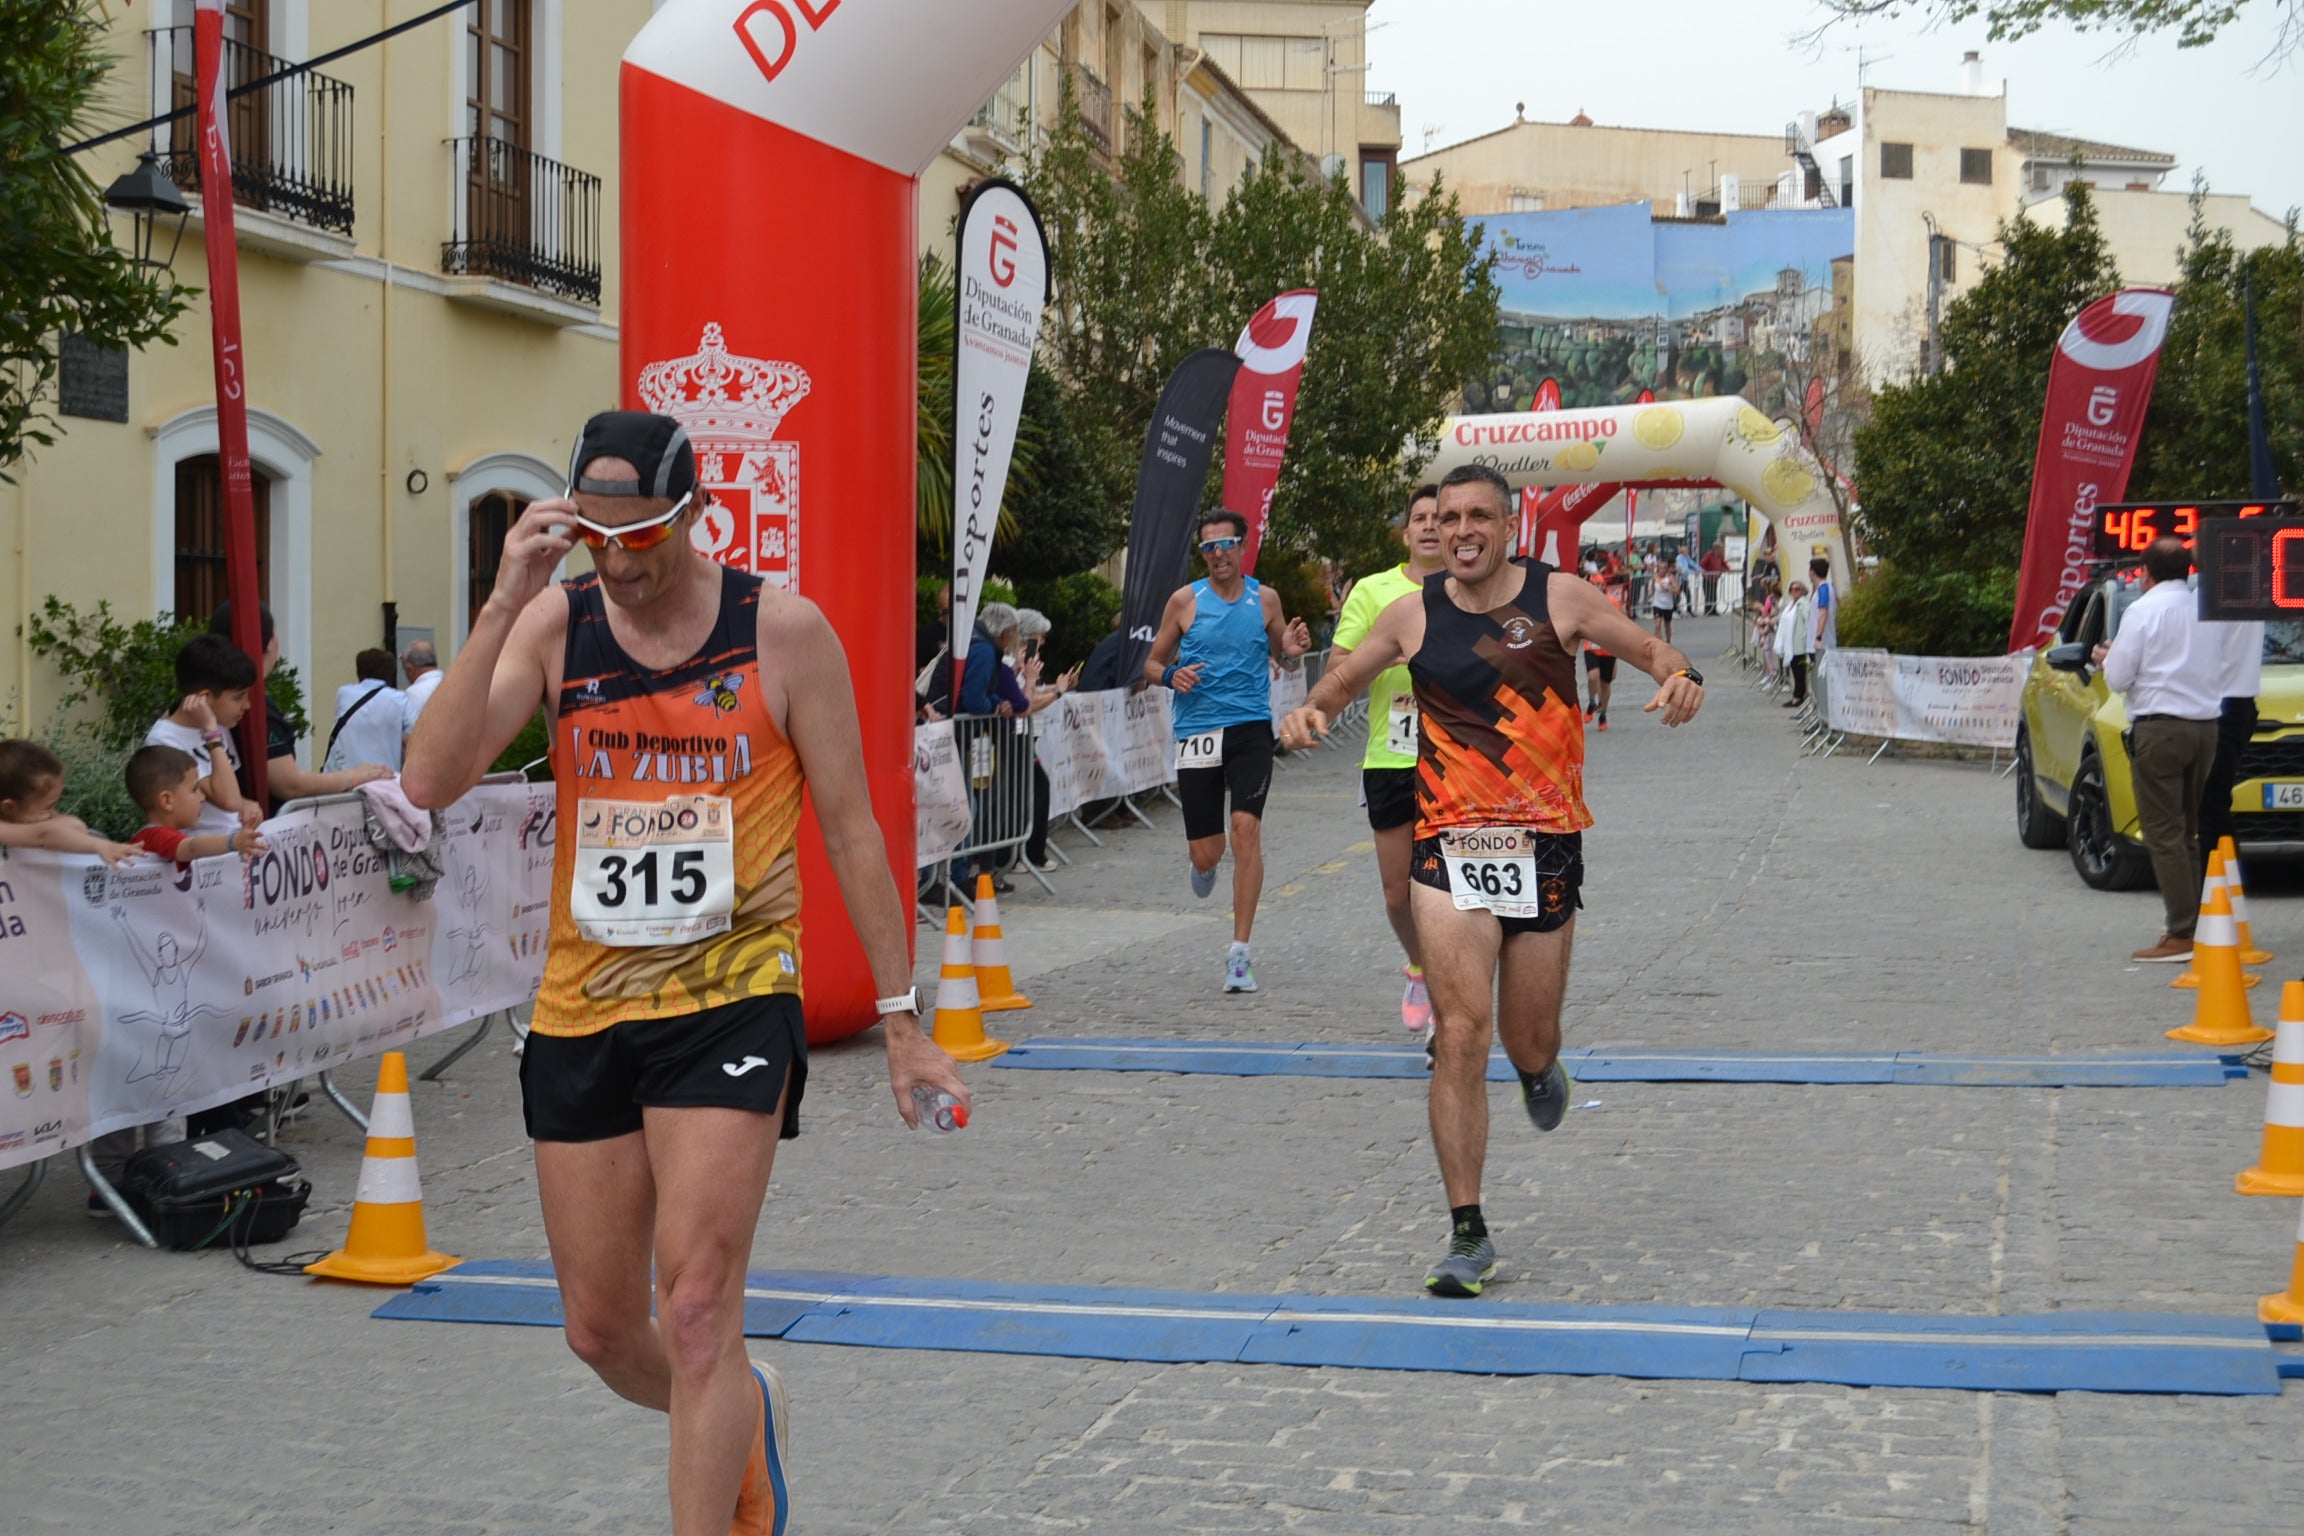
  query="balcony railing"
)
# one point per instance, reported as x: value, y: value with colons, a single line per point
x: 291, y: 140
x: 524, y: 219
x: 1095, y: 106
x: 1383, y: 98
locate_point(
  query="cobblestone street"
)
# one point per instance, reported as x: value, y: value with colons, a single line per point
x: 1739, y: 896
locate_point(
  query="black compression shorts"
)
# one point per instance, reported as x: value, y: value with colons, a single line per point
x: 1390, y: 794
x: 1245, y: 774
x: 743, y: 1055
x: 1602, y: 663
x: 1559, y: 879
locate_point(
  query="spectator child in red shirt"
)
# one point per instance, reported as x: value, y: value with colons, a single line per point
x: 166, y: 785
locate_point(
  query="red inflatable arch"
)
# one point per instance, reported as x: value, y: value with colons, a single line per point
x: 770, y: 156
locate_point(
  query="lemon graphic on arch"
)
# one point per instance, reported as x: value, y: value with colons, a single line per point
x: 1787, y: 482
x: 1755, y: 430
x: 1658, y: 427
x: 1577, y: 456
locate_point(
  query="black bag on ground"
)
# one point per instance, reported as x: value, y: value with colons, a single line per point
x: 214, y: 1188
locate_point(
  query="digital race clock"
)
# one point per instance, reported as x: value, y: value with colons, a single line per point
x: 2125, y: 529
x: 2252, y: 568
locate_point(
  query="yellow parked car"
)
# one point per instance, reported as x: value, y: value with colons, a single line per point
x: 2072, y: 785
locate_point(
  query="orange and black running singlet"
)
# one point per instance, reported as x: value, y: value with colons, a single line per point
x: 1502, y: 738
x: 675, y: 882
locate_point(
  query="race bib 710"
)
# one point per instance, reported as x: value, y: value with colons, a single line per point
x: 1205, y: 750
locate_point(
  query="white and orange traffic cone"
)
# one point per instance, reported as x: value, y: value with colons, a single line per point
x: 988, y: 952
x: 2287, y: 1306
x: 2249, y: 953
x: 2218, y: 878
x: 959, y: 1019
x: 2220, y: 1013
x: 386, y: 1245
x: 2279, y: 1167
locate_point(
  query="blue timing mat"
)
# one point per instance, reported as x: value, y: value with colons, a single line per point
x: 2054, y: 1352
x: 1244, y: 1058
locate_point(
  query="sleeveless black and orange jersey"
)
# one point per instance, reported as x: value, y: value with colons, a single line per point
x: 1502, y: 738
x: 675, y: 879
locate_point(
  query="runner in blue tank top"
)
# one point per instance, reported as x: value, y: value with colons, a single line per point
x: 1217, y: 639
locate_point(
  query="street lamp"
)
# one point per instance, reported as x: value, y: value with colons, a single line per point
x: 150, y: 200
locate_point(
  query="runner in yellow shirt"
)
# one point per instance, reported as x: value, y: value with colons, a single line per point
x: 1388, y: 767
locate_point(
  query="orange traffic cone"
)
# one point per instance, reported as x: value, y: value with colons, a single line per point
x: 2249, y: 953
x: 386, y: 1245
x: 995, y: 991
x: 2219, y: 878
x: 2287, y: 1306
x: 2220, y: 1016
x: 2279, y: 1167
x: 959, y: 1021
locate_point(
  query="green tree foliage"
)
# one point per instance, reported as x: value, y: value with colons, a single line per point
x: 1127, y: 255
x: 128, y: 671
x: 1146, y: 273
x: 1080, y: 608
x: 1946, y: 460
x: 2196, y: 23
x: 1060, y: 524
x: 1405, y: 315
x: 2196, y: 437
x: 59, y: 270
x: 1941, y: 611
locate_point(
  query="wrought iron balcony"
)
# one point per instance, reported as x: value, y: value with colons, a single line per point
x: 1095, y: 105
x: 523, y: 219
x: 1382, y: 99
x: 291, y: 140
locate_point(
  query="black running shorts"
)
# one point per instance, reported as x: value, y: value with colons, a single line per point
x: 1601, y: 664
x: 1559, y: 879
x: 743, y: 1055
x: 1245, y: 774
x: 1390, y: 794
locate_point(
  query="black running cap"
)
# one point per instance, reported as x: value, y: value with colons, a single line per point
x: 655, y: 445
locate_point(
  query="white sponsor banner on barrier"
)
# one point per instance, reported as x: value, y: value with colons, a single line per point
x: 1971, y: 700
x: 1288, y: 691
x: 940, y: 809
x: 135, y: 994
x: 1859, y: 691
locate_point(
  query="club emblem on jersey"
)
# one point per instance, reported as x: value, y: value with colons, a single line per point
x: 720, y: 692
x: 1519, y: 634
x: 732, y: 407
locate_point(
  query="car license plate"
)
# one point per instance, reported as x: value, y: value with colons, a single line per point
x: 2284, y: 797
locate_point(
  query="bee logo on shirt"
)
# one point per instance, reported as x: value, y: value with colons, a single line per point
x: 720, y: 692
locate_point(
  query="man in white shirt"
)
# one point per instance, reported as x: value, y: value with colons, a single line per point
x: 2169, y: 665
x: 2239, y: 671
x: 422, y: 664
x: 370, y: 723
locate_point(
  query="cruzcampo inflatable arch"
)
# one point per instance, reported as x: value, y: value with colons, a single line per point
x: 1721, y: 441
x: 771, y: 150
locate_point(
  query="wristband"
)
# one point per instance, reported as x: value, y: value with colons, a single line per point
x: 212, y: 739
x: 1168, y: 678
x: 902, y: 1002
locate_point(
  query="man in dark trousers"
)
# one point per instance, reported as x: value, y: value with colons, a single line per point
x: 2169, y: 666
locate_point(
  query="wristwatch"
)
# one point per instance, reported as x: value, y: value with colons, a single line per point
x: 1692, y: 675
x: 903, y: 1002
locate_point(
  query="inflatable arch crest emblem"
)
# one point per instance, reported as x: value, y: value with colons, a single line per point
x: 1723, y: 440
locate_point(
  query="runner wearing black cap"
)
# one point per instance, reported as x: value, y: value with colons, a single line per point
x: 690, y: 705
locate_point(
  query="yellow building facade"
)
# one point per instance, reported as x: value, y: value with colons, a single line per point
x: 427, y: 250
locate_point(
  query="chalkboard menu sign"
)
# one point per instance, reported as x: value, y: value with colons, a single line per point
x: 92, y: 380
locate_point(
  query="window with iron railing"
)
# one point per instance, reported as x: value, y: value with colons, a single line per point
x: 291, y: 140
x: 523, y: 218
x: 1095, y: 105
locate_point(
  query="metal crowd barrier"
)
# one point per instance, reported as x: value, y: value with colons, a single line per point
x: 996, y: 755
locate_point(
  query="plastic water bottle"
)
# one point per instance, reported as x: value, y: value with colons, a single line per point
x: 937, y: 1110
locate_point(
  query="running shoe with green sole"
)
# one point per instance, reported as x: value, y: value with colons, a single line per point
x: 1470, y: 1261
x: 1545, y: 1095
